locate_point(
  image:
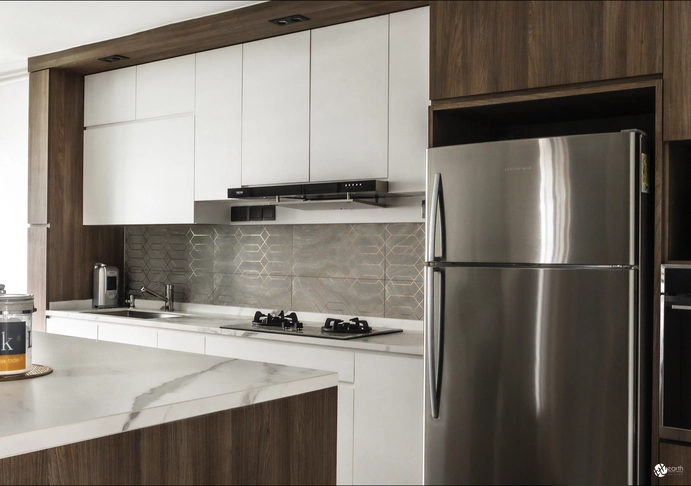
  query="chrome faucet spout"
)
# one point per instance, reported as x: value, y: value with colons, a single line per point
x: 167, y: 298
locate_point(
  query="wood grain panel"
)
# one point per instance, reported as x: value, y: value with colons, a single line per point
x: 286, y: 441
x: 477, y: 47
x: 214, y: 31
x: 38, y: 147
x: 674, y: 455
x: 677, y: 71
x: 37, y: 265
x: 61, y: 257
x: 488, y: 47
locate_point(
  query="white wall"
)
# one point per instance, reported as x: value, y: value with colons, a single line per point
x: 14, y: 178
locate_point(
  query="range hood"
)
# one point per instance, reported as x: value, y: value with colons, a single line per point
x: 316, y: 195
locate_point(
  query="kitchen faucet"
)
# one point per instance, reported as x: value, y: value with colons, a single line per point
x: 168, y: 298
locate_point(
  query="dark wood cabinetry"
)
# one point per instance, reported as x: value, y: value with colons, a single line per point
x: 677, y: 71
x: 489, y: 47
x: 677, y: 459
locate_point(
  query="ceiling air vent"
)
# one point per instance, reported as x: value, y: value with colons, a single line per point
x: 113, y: 58
x: 291, y: 19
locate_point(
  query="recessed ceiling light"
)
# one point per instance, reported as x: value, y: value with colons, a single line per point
x: 290, y: 19
x: 113, y: 58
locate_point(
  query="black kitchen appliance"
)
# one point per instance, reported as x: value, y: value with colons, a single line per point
x: 333, y: 328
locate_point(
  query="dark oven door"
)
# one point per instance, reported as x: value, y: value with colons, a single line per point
x: 675, y: 353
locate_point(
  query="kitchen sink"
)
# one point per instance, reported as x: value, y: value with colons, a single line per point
x: 135, y: 313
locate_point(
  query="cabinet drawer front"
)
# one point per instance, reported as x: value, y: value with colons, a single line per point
x: 138, y: 336
x: 302, y: 356
x: 72, y: 327
x: 189, y: 342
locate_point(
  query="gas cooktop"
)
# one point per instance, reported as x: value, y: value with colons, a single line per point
x: 333, y: 328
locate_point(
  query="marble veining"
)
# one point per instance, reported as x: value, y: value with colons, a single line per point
x: 100, y: 388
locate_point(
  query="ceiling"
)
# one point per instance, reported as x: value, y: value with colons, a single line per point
x: 32, y: 28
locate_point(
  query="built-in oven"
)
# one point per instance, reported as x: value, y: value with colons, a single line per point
x: 675, y: 353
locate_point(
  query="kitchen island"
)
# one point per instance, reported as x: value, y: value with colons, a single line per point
x: 113, y: 413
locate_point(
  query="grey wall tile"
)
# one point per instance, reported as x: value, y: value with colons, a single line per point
x: 356, y: 270
x: 404, y: 299
x: 405, y: 249
x: 339, y: 251
x: 356, y: 297
x: 254, y: 250
x: 254, y: 291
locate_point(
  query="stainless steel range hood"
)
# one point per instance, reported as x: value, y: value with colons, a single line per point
x: 317, y: 195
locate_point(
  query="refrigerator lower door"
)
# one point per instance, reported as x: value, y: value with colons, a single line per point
x: 535, y: 377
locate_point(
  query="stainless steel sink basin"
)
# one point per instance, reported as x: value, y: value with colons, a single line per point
x: 135, y: 313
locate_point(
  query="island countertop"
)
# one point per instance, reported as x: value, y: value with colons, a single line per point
x: 101, y: 388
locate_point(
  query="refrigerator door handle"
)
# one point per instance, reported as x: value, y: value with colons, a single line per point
x: 433, y: 215
x: 433, y: 363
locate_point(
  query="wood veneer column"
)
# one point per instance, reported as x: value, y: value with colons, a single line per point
x: 61, y: 249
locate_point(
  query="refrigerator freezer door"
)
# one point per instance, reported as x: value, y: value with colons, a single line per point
x: 535, y: 377
x: 550, y: 200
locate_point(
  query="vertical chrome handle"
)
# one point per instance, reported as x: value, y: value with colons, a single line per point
x: 430, y: 355
x: 432, y: 219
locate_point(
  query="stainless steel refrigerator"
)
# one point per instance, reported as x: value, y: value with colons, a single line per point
x: 538, y: 311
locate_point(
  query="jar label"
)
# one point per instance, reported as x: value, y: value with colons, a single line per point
x: 13, y: 345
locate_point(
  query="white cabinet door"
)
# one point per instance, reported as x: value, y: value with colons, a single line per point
x: 349, y: 113
x: 165, y: 87
x: 140, y: 173
x: 136, y: 335
x: 388, y: 419
x: 275, y: 110
x: 408, y: 99
x: 72, y: 327
x: 218, y: 123
x: 189, y: 342
x: 109, y: 97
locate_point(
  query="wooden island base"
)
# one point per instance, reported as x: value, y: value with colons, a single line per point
x: 286, y: 441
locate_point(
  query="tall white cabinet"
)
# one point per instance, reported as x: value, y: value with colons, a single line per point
x: 350, y: 99
x: 218, y: 123
x: 276, y: 110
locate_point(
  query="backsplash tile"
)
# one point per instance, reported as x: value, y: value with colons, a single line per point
x: 349, y: 269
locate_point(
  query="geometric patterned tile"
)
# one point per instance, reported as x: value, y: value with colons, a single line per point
x: 253, y: 291
x: 405, y: 248
x: 404, y: 299
x: 348, y: 269
x: 253, y: 250
x: 339, y: 251
x: 346, y: 296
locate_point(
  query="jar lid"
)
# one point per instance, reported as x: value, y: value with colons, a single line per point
x: 16, y: 302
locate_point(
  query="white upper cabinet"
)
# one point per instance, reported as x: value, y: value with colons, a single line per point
x: 408, y: 99
x: 275, y: 110
x: 140, y: 173
x: 165, y: 87
x: 350, y: 102
x: 218, y: 123
x: 109, y: 97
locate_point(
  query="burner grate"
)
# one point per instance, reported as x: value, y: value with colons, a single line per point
x: 277, y: 319
x: 353, y: 325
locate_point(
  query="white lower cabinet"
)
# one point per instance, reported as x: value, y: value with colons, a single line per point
x: 388, y: 419
x: 136, y: 335
x: 72, y: 327
x: 189, y: 342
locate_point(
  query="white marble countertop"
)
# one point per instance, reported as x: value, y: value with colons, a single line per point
x: 207, y: 319
x: 101, y: 388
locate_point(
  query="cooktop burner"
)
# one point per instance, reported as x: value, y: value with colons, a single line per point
x: 333, y: 328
